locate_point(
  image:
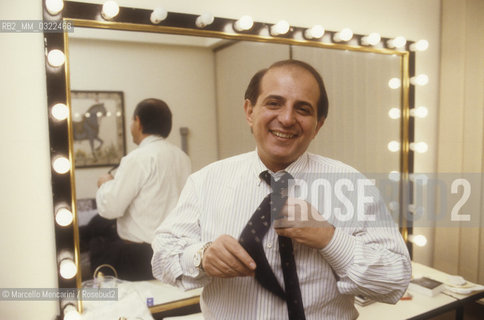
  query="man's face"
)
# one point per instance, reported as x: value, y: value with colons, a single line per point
x: 284, y: 118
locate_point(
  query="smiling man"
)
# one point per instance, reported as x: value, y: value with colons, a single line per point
x: 221, y: 235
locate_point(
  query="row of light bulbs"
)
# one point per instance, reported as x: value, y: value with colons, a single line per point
x: 110, y: 10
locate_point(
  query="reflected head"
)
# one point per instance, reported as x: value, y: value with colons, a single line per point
x: 253, y: 90
x: 155, y: 117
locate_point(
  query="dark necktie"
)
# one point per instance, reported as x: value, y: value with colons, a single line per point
x: 251, y: 239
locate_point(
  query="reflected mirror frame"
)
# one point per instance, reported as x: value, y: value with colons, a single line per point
x: 80, y: 14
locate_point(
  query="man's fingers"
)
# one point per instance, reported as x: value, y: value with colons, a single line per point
x: 227, y: 258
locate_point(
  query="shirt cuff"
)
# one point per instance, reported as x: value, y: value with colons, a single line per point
x: 339, y: 251
x: 187, y: 264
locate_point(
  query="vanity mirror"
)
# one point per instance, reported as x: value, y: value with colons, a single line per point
x: 201, y: 70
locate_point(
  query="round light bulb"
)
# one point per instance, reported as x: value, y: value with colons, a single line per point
x: 419, y: 239
x: 371, y: 39
x: 56, y: 58
x: 282, y: 27
x: 394, y: 176
x: 204, y: 20
x: 71, y: 313
x: 419, y: 112
x: 67, y: 268
x: 110, y: 10
x: 244, y: 23
x: 54, y: 6
x: 419, y: 147
x: 420, y: 45
x: 394, y: 83
x: 63, y: 217
x: 315, y: 32
x: 393, y: 146
x: 394, y: 113
x: 398, y: 42
x: 60, y: 111
x: 421, y: 80
x: 158, y: 15
x: 61, y: 165
x: 344, y: 35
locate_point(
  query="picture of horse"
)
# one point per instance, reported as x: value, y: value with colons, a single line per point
x: 98, y: 127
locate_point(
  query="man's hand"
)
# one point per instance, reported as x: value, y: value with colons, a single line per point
x: 304, y: 224
x: 104, y: 178
x: 226, y: 258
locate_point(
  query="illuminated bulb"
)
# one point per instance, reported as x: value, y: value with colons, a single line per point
x: 419, y: 147
x: 63, y: 217
x: 118, y: 114
x: 158, y: 15
x: 394, y: 113
x: 394, y: 206
x: 418, y: 239
x: 244, y: 23
x: 420, y: 45
x: 71, y: 313
x: 394, y: 146
x: 108, y: 114
x: 394, y: 83
x: 204, y: 20
x: 67, y: 268
x: 110, y: 10
x: 282, y: 27
x: 315, y: 32
x: 54, y: 6
x: 56, y: 58
x: 344, y: 35
x: 398, y: 42
x: 60, y: 111
x: 421, y: 80
x: 394, y: 176
x: 371, y: 39
x: 61, y: 165
x: 99, y: 114
x: 87, y: 114
x: 420, y: 112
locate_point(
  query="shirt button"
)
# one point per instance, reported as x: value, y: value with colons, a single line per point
x: 269, y: 245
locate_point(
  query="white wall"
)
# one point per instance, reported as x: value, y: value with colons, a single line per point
x: 27, y: 246
x: 27, y: 252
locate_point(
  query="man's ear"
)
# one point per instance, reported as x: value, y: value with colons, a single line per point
x: 249, y: 111
x: 318, y: 126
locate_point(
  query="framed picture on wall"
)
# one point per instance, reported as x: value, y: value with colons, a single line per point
x: 98, y: 128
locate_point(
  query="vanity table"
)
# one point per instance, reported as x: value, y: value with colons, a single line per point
x: 421, y: 306
x: 170, y: 301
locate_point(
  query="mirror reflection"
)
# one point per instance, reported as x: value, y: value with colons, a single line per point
x: 203, y: 81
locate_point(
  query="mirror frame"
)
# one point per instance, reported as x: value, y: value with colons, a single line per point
x: 133, y: 19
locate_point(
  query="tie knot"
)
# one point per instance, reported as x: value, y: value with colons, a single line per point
x: 279, y: 185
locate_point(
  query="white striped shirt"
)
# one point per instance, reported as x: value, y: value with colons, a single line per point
x: 221, y: 198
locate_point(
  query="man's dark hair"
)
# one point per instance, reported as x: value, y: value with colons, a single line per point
x: 155, y: 117
x: 253, y: 89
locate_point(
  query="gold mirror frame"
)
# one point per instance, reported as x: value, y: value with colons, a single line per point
x: 130, y: 19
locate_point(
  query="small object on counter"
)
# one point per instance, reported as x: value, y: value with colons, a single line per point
x: 426, y: 286
x: 406, y: 296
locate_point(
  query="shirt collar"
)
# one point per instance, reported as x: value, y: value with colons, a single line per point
x: 149, y: 139
x: 295, y: 169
